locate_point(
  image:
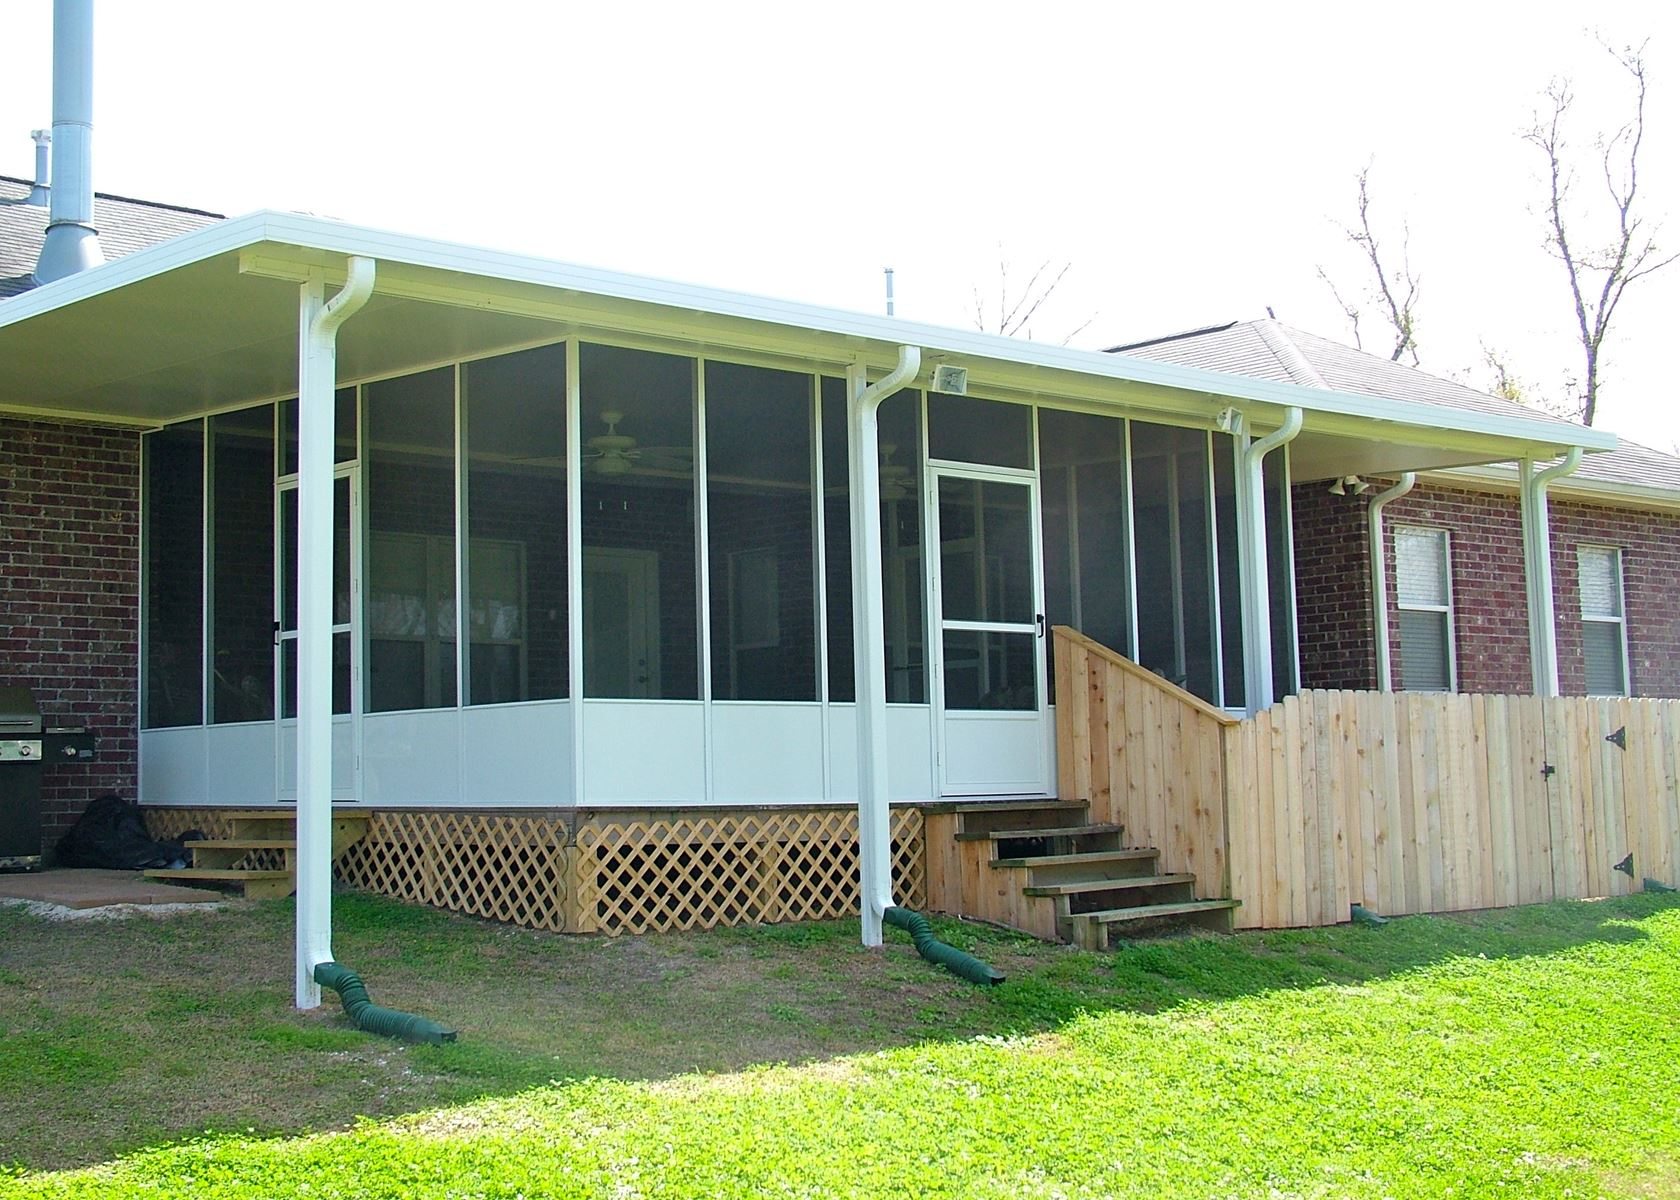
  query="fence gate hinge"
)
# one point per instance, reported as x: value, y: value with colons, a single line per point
x: 1626, y: 865
x: 1618, y: 739
x: 1547, y: 770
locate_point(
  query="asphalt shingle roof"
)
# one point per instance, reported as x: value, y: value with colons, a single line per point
x: 124, y: 225
x: 1271, y: 350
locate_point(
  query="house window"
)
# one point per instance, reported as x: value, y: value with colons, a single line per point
x: 1422, y: 571
x: 1603, y: 621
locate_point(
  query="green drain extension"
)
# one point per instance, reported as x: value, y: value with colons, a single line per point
x: 1656, y: 885
x: 369, y: 1016
x: 965, y: 966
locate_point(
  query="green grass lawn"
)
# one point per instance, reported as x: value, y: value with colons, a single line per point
x: 1530, y: 1052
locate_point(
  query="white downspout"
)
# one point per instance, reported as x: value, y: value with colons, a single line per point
x: 1379, y: 577
x: 1537, y: 554
x: 1256, y: 579
x: 318, y: 325
x: 869, y: 637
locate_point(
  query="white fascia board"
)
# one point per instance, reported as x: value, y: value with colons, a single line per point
x: 315, y: 234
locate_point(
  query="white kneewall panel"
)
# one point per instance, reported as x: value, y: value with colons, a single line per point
x: 767, y: 753
x: 412, y: 757
x: 343, y: 759
x: 241, y: 764
x: 909, y: 753
x: 994, y: 754
x: 172, y: 766
x: 517, y: 754
x: 644, y: 752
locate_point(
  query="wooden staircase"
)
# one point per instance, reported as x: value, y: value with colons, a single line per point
x: 259, y: 857
x: 1041, y: 867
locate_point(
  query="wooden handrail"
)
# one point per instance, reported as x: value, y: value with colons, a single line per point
x: 1073, y: 636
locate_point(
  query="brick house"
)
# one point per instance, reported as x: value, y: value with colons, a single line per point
x: 69, y: 554
x: 614, y: 598
x: 1619, y: 513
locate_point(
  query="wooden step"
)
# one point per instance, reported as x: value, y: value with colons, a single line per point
x: 1091, y: 930
x: 982, y: 818
x: 989, y: 806
x: 1055, y: 831
x: 222, y: 853
x: 1066, y: 860
x: 258, y: 885
x: 243, y: 844
x: 1079, y: 887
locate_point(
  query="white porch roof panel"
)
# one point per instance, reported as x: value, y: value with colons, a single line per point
x: 208, y: 320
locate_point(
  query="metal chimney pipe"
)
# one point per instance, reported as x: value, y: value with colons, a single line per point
x: 72, y: 243
x: 43, y: 146
x: 889, y: 272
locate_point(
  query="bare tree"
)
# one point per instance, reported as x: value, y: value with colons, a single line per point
x: 1600, y: 267
x: 1015, y: 310
x: 1395, y: 293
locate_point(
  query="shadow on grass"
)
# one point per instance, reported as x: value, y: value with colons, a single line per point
x: 118, y: 1035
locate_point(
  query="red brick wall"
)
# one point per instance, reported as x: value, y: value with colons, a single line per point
x: 1489, y: 594
x: 1490, y: 610
x: 1650, y: 545
x: 69, y: 588
x: 1332, y: 590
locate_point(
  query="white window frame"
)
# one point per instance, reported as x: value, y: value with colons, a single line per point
x: 1400, y: 604
x: 1619, y: 621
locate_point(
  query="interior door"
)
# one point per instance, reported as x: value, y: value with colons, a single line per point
x: 621, y: 623
x: 346, y: 689
x: 990, y: 666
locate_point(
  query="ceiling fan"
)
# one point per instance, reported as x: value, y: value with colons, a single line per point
x: 613, y: 453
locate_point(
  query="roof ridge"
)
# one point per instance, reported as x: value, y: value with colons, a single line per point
x: 1170, y: 337
x: 182, y: 208
x: 1288, y: 354
x: 1458, y: 383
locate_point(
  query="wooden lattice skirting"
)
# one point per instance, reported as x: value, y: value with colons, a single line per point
x: 605, y: 873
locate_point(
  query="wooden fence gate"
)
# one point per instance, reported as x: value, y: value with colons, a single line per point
x: 1402, y: 802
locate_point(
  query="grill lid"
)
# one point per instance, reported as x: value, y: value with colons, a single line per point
x: 19, y: 714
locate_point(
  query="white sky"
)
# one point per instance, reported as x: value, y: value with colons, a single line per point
x: 1190, y: 161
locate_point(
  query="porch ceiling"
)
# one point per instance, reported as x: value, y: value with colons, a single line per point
x: 209, y: 320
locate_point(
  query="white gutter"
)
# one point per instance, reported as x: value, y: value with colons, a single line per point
x: 1379, y: 576
x: 869, y: 636
x: 1537, y: 560
x: 318, y: 325
x: 1256, y: 580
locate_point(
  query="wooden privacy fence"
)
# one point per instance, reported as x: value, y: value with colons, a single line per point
x: 1401, y: 802
x: 1422, y: 802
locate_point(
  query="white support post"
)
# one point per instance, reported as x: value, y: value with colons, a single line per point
x: 1256, y: 576
x: 1537, y: 563
x: 318, y: 322
x: 869, y: 637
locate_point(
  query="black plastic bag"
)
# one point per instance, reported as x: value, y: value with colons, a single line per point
x: 112, y: 833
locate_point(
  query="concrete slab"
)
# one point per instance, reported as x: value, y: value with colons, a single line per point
x: 85, y: 887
